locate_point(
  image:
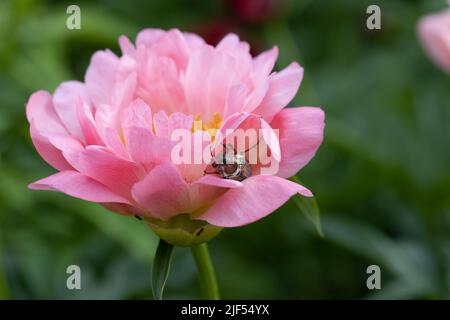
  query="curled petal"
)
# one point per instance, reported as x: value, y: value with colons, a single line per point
x: 260, y: 196
x: 40, y: 110
x: 211, y: 180
x: 78, y: 185
x: 65, y: 102
x: 52, y: 155
x: 301, y: 133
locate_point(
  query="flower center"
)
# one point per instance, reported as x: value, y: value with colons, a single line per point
x: 211, y: 127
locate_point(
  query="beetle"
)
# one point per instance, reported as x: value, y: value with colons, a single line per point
x: 230, y: 164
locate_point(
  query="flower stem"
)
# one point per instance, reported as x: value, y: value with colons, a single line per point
x: 205, y: 269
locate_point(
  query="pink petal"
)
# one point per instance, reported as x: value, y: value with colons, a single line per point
x: 161, y: 124
x: 126, y: 46
x: 236, y: 99
x: 114, y: 142
x: 260, y: 196
x: 160, y: 84
x: 64, y: 100
x: 174, y: 46
x: 256, y: 97
x: 187, y: 148
x: 178, y: 120
x: 148, y: 37
x: 47, y: 150
x: 263, y: 65
x: 40, y: 110
x: 229, y: 125
x: 212, y: 180
x: 69, y: 146
x: 193, y: 40
x: 100, y: 77
x: 124, y: 91
x: 238, y: 50
x: 301, y: 133
x: 116, y: 173
x: 86, y: 120
x: 163, y: 192
x: 282, y: 89
x: 146, y: 148
x: 247, y: 121
x: 433, y: 32
x: 138, y: 114
x: 209, y: 76
x: 79, y: 186
x: 271, y: 138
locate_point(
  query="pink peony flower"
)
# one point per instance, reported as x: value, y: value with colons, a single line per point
x: 434, y: 33
x: 110, y: 137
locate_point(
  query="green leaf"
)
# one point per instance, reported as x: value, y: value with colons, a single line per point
x: 161, y: 268
x: 309, y: 207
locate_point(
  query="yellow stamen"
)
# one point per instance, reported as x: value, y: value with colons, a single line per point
x: 211, y: 127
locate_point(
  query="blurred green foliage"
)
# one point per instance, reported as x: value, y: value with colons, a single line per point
x: 382, y: 175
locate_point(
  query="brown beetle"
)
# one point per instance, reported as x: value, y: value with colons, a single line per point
x: 231, y: 165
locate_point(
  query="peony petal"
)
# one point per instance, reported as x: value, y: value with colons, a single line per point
x: 161, y: 124
x: 69, y: 146
x: 148, y: 37
x: 236, y: 99
x: 138, y: 114
x: 116, y: 173
x: 193, y: 40
x: 229, y: 125
x: 114, y: 142
x: 178, y: 120
x: 77, y: 185
x: 282, y: 89
x: 124, y: 92
x: 301, y: 133
x: 163, y: 192
x: 160, y: 84
x: 126, y: 46
x: 47, y: 150
x: 40, y: 110
x: 174, y: 46
x: 271, y: 138
x: 101, y: 77
x: 65, y: 102
x: 263, y: 65
x: 433, y: 32
x: 260, y: 196
x: 209, y: 77
x: 87, y: 123
x: 212, y: 180
x: 247, y: 121
x: 189, y: 155
x: 256, y: 97
x: 146, y: 148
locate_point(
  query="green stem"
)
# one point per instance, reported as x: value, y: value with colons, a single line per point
x: 208, y: 281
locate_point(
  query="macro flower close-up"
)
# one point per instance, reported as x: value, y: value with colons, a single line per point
x: 110, y: 137
x: 258, y: 154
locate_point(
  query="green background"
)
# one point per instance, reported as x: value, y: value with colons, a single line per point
x: 381, y: 177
